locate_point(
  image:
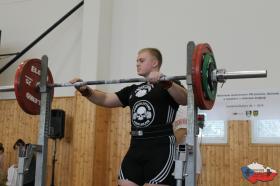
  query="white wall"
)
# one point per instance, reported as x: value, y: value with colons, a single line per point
x: 22, y: 22
x: 101, y: 40
x: 243, y: 35
x: 78, y: 47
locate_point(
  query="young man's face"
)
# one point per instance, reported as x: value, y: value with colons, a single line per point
x: 145, y: 63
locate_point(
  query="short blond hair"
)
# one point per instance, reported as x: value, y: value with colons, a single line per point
x: 154, y: 52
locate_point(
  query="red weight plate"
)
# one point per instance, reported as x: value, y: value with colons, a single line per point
x: 26, y: 90
x: 197, y: 60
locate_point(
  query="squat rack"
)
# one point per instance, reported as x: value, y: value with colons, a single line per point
x: 184, y: 169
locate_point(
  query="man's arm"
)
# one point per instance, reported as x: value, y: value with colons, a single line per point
x: 103, y: 99
x: 180, y: 135
x: 178, y: 93
x: 98, y: 97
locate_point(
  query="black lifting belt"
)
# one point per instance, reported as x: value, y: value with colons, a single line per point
x: 159, y: 130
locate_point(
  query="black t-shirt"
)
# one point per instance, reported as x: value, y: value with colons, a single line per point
x: 151, y: 106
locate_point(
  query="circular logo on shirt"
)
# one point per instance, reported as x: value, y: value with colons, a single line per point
x: 143, y: 114
x: 143, y: 90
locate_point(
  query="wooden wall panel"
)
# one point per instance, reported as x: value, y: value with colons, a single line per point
x: 15, y: 124
x: 118, y: 142
x: 222, y: 163
x: 64, y: 149
x: 83, y: 143
x: 100, y: 173
x: 97, y: 138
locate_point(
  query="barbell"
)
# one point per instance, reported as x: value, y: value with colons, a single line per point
x: 205, y: 77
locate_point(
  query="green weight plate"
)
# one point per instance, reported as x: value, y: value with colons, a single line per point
x: 209, y: 87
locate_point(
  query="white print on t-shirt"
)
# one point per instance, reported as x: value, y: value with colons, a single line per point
x: 143, y: 90
x: 143, y: 114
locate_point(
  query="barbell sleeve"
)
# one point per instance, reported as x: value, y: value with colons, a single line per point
x: 220, y: 75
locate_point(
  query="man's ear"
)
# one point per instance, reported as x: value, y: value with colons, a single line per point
x: 155, y: 63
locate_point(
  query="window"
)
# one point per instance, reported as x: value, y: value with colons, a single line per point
x: 214, y: 131
x: 266, y: 131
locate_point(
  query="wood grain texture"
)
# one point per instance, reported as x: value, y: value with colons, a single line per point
x: 96, y: 139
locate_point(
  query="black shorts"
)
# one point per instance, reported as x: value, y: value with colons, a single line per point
x: 149, y: 161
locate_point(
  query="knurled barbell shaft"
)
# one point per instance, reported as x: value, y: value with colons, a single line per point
x: 225, y: 75
x: 9, y: 88
x: 101, y: 82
